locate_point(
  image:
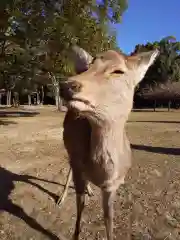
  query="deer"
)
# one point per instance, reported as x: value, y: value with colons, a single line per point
x: 99, y: 100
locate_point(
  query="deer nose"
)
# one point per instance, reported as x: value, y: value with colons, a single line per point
x: 68, y: 89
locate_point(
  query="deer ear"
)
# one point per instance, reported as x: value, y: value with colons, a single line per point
x: 141, y: 62
x: 147, y: 58
x: 81, y: 59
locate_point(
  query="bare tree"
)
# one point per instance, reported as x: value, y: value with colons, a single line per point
x: 99, y: 102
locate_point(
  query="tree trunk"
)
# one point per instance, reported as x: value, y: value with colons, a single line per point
x: 8, y: 98
x: 29, y: 99
x: 59, y: 103
x: 169, y: 106
x: 154, y: 105
x: 57, y: 98
x: 37, y: 98
x: 56, y: 91
x: 42, y: 92
x: 0, y: 98
x: 16, y: 99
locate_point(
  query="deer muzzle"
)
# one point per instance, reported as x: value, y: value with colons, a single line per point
x: 68, y: 89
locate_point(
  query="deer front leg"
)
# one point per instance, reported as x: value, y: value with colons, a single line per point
x: 80, y: 203
x: 108, y: 201
x: 80, y: 186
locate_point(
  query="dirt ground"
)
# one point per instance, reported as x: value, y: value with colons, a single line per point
x: 33, y: 169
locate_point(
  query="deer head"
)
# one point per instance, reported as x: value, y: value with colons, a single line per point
x: 105, y: 87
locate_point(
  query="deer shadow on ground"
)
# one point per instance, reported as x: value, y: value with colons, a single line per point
x: 150, y: 110
x: 144, y: 121
x: 6, y: 122
x: 4, y: 114
x: 161, y: 150
x: 7, y: 185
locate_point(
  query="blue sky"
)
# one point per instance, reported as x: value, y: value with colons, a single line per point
x: 148, y: 21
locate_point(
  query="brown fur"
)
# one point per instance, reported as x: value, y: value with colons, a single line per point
x: 94, y: 126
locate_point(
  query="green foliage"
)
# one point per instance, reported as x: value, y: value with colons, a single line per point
x: 35, y: 37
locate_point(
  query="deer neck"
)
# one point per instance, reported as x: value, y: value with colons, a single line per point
x: 109, y: 137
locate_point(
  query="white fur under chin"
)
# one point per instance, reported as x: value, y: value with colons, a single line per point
x: 80, y: 106
x: 87, y: 111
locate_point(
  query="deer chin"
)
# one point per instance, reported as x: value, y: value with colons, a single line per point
x: 86, y: 110
x: 81, y: 105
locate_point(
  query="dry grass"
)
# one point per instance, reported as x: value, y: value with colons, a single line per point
x: 147, y: 207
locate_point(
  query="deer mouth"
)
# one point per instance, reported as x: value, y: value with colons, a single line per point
x: 81, y: 104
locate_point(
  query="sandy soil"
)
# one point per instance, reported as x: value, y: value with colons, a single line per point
x: 33, y: 169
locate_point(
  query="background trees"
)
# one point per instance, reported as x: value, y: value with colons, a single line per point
x: 35, y: 37
x: 162, y: 80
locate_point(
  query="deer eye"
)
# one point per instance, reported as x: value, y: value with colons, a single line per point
x: 118, y: 72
